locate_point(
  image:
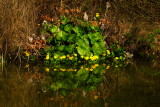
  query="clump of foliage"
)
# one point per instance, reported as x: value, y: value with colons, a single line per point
x: 84, y: 77
x: 77, y: 40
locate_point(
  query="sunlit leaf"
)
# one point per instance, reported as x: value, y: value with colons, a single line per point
x: 53, y: 29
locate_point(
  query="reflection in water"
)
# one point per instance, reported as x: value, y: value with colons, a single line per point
x: 136, y: 85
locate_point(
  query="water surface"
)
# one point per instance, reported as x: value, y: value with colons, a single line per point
x: 135, y: 85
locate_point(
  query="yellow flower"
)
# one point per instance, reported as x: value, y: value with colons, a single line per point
x: 26, y: 53
x: 62, y: 57
x: 93, y: 66
x: 63, y: 69
x: 97, y: 15
x: 108, y: 52
x: 95, y: 97
x: 27, y: 66
x: 116, y: 66
x: 70, y: 58
x: 47, y: 57
x: 75, y: 70
x: 94, y: 57
x: 96, y: 65
x: 86, y: 69
x: 75, y: 54
x: 86, y: 58
x: 91, y: 69
x: 116, y: 58
x: 47, y: 69
x: 55, y: 57
x: 55, y: 70
x: 104, y: 54
x: 68, y: 55
x: 81, y: 67
x: 82, y: 56
x: 38, y: 24
x: 71, y: 69
x: 108, y: 67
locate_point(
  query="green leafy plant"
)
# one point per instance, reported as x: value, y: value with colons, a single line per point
x: 71, y: 38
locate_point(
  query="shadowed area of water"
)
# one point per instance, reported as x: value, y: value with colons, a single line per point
x: 135, y: 85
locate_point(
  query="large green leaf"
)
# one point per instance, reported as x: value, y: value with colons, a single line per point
x: 97, y: 49
x: 71, y: 38
x: 69, y: 48
x: 64, y: 20
x: 68, y: 28
x: 61, y: 47
x: 53, y: 29
x: 82, y: 75
x: 83, y: 47
x: 61, y: 35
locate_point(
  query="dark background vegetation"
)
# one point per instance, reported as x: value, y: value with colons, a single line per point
x: 131, y: 21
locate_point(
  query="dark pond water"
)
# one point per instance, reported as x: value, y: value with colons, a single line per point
x: 135, y: 85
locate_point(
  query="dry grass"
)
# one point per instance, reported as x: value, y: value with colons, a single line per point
x: 17, y: 23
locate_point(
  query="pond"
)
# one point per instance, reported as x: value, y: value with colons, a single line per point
x: 87, y: 85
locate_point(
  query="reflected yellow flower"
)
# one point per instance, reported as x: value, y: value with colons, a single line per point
x: 47, y: 69
x: 62, y: 57
x: 75, y: 54
x: 108, y: 52
x: 47, y: 57
x: 96, y: 97
x: 68, y: 55
x: 116, y: 58
x: 71, y: 69
x: 116, y: 66
x: 91, y: 69
x: 54, y: 69
x: 86, y: 68
x: 38, y: 24
x: 108, y: 67
x: 81, y: 67
x: 96, y: 65
x: 104, y: 54
x: 62, y: 69
x: 55, y: 57
x: 70, y: 58
x: 93, y: 66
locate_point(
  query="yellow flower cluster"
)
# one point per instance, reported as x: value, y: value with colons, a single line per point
x: 94, y: 58
x: 55, y: 57
x: 108, y: 67
x: 70, y: 58
x: 94, y: 66
x: 108, y: 52
x: 47, y: 57
x: 97, y: 15
x: 62, y: 69
x: 104, y: 54
x: 47, y: 69
x: 75, y: 54
x: 26, y: 53
x: 62, y: 57
x: 116, y: 58
x: 86, y: 58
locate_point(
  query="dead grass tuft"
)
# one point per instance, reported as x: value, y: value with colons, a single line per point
x: 18, y: 21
